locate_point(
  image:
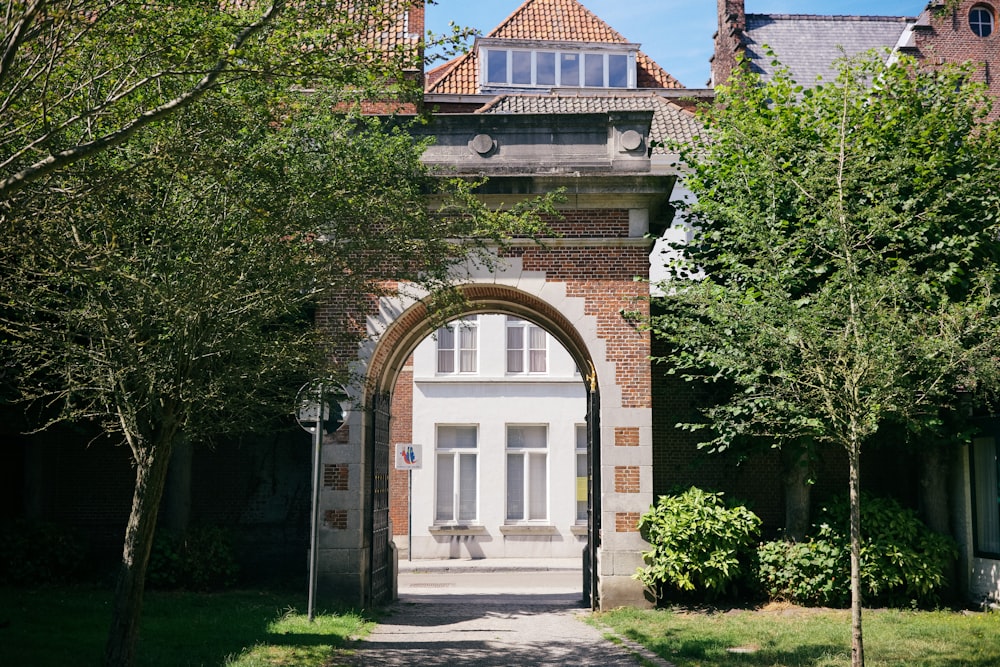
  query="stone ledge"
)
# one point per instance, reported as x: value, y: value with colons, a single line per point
x: 529, y: 530
x: 457, y: 530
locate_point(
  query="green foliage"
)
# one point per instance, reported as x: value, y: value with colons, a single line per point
x: 843, y: 270
x: 202, y: 559
x: 903, y: 563
x: 34, y: 553
x: 700, y: 545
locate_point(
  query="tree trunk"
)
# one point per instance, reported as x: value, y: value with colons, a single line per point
x: 798, y: 491
x: 857, y: 642
x: 150, y: 477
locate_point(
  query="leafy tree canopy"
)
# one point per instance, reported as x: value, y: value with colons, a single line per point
x: 843, y: 267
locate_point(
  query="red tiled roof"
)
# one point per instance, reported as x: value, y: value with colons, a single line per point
x: 555, y: 20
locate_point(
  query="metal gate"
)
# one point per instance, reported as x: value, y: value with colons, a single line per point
x: 591, y: 566
x: 379, y: 450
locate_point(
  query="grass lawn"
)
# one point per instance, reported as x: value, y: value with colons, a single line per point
x: 68, y: 626
x: 788, y: 636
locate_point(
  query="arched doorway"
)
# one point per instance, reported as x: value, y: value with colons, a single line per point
x: 579, y: 285
x: 481, y: 301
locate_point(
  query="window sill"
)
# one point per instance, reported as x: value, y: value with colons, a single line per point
x: 457, y: 530
x: 579, y: 529
x: 528, y: 530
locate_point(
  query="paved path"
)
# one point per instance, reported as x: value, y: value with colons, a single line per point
x: 484, y: 615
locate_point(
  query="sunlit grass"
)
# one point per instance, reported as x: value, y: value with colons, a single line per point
x: 789, y: 636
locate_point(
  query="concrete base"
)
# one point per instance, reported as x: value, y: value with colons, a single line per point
x: 619, y: 591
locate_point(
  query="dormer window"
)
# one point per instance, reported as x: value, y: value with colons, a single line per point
x: 532, y: 64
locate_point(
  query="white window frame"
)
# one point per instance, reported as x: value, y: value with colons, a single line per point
x: 533, y: 496
x: 580, y: 55
x: 534, y: 358
x: 455, y: 456
x: 982, y: 20
x: 464, y: 357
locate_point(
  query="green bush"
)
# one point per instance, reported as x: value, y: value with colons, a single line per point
x: 33, y: 553
x: 202, y: 559
x: 903, y: 563
x: 701, y: 547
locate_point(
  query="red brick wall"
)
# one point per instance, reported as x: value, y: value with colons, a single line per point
x: 401, y: 430
x: 950, y: 39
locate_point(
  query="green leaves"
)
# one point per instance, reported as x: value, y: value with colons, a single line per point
x: 849, y: 248
x: 699, y: 544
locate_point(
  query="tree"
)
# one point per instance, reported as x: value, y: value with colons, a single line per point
x: 162, y: 282
x: 81, y: 76
x: 843, y: 273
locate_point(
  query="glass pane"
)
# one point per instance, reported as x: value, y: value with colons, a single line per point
x: 537, y: 509
x: 618, y: 71
x: 467, y: 487
x: 467, y: 356
x: 521, y: 67
x: 515, y: 487
x: 446, y: 350
x: 496, y: 66
x: 545, y: 68
x: 538, y: 351
x: 515, y: 349
x: 444, y: 509
x: 581, y: 436
x: 594, y: 64
x: 526, y: 437
x: 987, y: 494
x: 515, y: 361
x: 569, y: 69
x: 456, y: 437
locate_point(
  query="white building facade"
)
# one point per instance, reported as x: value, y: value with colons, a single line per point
x: 499, y: 409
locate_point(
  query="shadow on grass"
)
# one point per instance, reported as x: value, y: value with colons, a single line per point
x: 68, y: 626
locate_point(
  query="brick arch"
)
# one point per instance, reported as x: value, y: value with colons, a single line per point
x: 417, y: 322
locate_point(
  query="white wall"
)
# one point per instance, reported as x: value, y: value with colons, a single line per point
x: 491, y: 399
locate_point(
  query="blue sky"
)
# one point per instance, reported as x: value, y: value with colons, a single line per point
x: 677, y: 34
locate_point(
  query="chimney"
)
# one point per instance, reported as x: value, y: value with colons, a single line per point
x: 728, y: 40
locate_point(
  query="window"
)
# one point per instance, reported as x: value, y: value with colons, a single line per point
x: 456, y: 496
x: 570, y: 69
x: 581, y: 473
x: 986, y: 496
x: 981, y: 20
x: 527, y: 473
x: 527, y: 347
x: 457, y: 347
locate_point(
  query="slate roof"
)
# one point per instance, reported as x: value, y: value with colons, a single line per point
x: 670, y: 122
x: 809, y: 46
x: 553, y: 20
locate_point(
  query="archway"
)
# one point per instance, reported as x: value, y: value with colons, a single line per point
x: 551, y: 408
x: 579, y: 285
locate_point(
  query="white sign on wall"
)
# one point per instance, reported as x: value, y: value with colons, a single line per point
x: 409, y: 456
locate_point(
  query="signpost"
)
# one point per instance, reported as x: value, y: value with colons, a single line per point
x: 318, y: 412
x: 409, y: 457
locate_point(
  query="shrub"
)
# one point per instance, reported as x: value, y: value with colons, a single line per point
x: 903, y: 563
x: 701, y: 547
x: 33, y: 553
x: 202, y: 559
